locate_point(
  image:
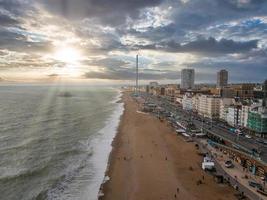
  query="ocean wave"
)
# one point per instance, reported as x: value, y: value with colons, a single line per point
x: 14, y: 174
x: 23, y: 173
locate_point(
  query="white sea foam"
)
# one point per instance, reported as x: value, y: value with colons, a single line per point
x: 102, y: 149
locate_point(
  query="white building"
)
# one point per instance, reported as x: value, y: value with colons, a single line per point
x: 224, y: 104
x: 195, y: 99
x: 234, y: 116
x: 187, y: 102
x: 187, y: 78
x: 244, y: 115
x: 209, y: 106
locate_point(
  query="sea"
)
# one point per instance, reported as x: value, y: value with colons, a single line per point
x: 55, y: 140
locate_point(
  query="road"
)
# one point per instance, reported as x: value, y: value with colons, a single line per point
x: 249, y: 145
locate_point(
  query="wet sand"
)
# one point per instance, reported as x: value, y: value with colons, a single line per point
x: 150, y: 162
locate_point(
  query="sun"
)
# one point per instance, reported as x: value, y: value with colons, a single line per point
x: 68, y: 55
x: 71, y: 57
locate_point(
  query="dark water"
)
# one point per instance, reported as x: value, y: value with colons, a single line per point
x: 48, y: 136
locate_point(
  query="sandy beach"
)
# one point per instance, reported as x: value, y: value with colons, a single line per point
x: 150, y: 162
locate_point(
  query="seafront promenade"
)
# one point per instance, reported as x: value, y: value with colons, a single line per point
x: 236, y: 176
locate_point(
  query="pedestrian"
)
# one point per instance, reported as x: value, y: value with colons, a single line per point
x: 177, y: 190
x: 166, y: 158
x: 203, y: 177
x: 175, y: 196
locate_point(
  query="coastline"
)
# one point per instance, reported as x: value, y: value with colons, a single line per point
x: 118, y: 100
x: 102, y: 146
x: 148, y: 161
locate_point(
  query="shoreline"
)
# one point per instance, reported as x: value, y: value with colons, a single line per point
x: 118, y: 100
x: 133, y: 173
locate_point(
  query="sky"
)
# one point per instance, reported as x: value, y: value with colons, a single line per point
x: 96, y: 41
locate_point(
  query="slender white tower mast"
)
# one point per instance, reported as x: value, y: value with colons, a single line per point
x: 136, y: 81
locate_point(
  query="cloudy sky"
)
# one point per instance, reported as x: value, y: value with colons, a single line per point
x: 97, y: 40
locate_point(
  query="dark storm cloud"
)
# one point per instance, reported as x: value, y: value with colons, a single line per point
x: 159, y: 33
x: 115, y: 69
x: 194, y: 16
x: 253, y: 71
x: 130, y: 75
x: 202, y: 13
x: 6, y: 20
x: 109, y: 63
x: 109, y: 12
x: 204, y: 46
x: 18, y: 42
x: 17, y: 7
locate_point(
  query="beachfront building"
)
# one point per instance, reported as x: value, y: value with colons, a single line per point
x: 222, y: 78
x: 195, y: 100
x: 179, y: 99
x: 209, y: 106
x: 187, y: 79
x: 162, y: 91
x: 224, y: 104
x: 244, y: 90
x: 187, y: 101
x: 227, y: 92
x: 244, y: 115
x: 156, y: 91
x: 257, y: 121
x: 233, y: 116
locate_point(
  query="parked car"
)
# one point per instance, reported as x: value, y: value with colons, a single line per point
x: 255, y: 185
x: 229, y: 164
x: 259, y: 141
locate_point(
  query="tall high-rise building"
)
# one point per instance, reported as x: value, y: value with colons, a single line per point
x: 187, y: 78
x: 222, y: 78
x: 264, y: 89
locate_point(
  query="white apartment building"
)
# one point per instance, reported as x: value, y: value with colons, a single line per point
x: 195, y: 102
x: 209, y: 106
x: 244, y: 115
x: 187, y: 78
x: 224, y: 104
x: 233, y: 117
x: 187, y: 102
